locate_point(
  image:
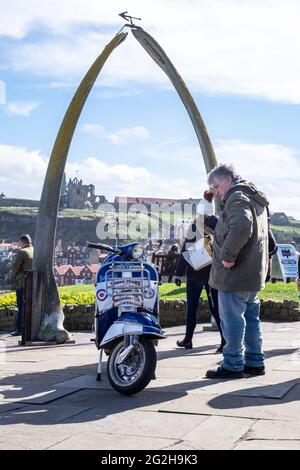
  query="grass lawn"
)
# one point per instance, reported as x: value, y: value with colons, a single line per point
x: 286, y: 228
x: 85, y: 294
x: 278, y: 292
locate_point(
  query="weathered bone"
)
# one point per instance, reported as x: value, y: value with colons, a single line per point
x: 160, y: 57
x: 47, y: 315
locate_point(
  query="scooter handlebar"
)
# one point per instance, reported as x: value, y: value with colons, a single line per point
x: 101, y: 246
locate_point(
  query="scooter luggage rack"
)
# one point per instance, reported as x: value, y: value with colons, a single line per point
x: 114, y: 283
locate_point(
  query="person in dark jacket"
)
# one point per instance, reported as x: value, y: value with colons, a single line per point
x: 196, y: 281
x: 239, y: 271
x: 298, y: 279
x: 22, y: 263
x: 171, y: 261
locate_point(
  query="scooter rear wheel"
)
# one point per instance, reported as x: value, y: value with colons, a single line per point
x: 138, y: 369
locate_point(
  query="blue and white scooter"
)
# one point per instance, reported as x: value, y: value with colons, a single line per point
x: 127, y: 317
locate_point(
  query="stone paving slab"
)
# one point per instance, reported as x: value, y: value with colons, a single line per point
x: 177, y: 384
x: 285, y: 409
x: 176, y: 372
x: 33, y: 437
x: 27, y: 356
x: 265, y: 391
x: 86, y: 382
x: 218, y: 432
x: 248, y: 387
x: 26, y: 367
x: 111, y: 402
x: 33, y: 395
x: 293, y: 365
x: 190, y: 361
x: 5, y: 407
x: 49, y: 398
x: 49, y: 365
x: 102, y: 441
x: 277, y: 430
x: 181, y: 446
x: 268, y: 445
x: 138, y: 423
x: 42, y: 379
x: 41, y: 416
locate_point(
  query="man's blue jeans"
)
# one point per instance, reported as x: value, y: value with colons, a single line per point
x: 241, y: 328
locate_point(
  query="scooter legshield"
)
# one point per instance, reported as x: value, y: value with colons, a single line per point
x: 104, y: 322
x: 141, y: 323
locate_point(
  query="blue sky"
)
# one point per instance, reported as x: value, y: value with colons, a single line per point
x: 134, y: 136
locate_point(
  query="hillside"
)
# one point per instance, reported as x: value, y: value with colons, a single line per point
x: 80, y: 225
x: 77, y: 226
x: 286, y: 234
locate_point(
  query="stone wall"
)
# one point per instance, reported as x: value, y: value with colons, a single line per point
x: 172, y: 313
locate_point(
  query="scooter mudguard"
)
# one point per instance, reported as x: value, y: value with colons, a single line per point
x: 132, y: 323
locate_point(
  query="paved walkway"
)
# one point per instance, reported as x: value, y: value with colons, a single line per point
x: 49, y: 398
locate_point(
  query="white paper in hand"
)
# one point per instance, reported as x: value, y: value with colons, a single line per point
x: 197, y: 256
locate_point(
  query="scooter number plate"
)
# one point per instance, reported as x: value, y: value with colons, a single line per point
x: 127, y: 300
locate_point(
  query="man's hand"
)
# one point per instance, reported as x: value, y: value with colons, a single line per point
x: 228, y: 265
x: 177, y: 281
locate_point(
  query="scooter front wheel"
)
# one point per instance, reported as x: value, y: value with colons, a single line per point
x: 136, y: 371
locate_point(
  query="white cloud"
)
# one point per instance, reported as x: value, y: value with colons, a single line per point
x: 24, y: 176
x: 121, y: 136
x: 22, y: 171
x: 263, y: 161
x: 228, y: 46
x: 60, y: 85
x: 126, y: 180
x: 189, y: 154
x: 2, y: 93
x: 118, y: 93
x: 273, y: 168
x: 94, y: 129
x: 21, y: 108
x: 125, y: 134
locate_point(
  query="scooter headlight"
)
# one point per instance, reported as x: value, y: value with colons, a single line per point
x: 138, y: 251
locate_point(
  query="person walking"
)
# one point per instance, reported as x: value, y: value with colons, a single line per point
x: 239, y: 269
x: 171, y: 261
x: 21, y: 264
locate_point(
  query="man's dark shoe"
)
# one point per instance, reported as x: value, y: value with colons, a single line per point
x: 16, y: 333
x: 222, y: 373
x: 254, y: 370
x: 185, y: 343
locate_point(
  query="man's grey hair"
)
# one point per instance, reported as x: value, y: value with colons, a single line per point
x: 222, y: 171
